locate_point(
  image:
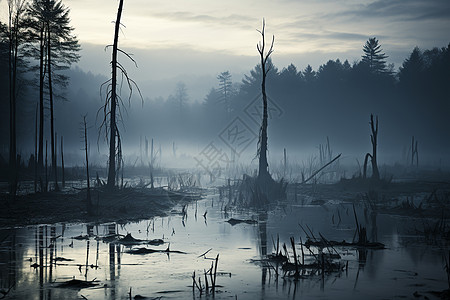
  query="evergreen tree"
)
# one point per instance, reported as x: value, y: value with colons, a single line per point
x: 4, y: 113
x: 290, y: 75
x: 62, y: 50
x: 412, y: 69
x: 37, y: 36
x: 58, y: 49
x: 373, y: 56
x: 309, y: 75
x: 251, y: 84
x: 15, y: 37
x: 225, y: 89
x: 181, y: 96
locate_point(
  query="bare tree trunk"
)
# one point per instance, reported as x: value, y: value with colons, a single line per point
x: 151, y: 166
x: 62, y: 163
x: 46, y: 166
x: 262, y: 151
x: 366, y: 159
x: 56, y: 158
x: 13, y: 16
x: 50, y: 91
x: 146, y: 148
x: 88, y: 197
x: 414, y: 153
x: 35, y: 148
x: 113, y: 125
x: 373, y: 138
x: 41, y: 102
x: 263, y: 165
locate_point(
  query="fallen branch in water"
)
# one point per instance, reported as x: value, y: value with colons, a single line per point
x: 204, y: 253
x: 318, y: 171
x: 149, y: 251
x: 77, y: 284
x: 130, y: 240
x: 233, y: 221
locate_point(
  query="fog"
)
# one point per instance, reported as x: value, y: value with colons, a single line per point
x: 336, y: 106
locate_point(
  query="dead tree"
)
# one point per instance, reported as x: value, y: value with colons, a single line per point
x: 88, y: 195
x: 152, y: 162
x: 373, y: 156
x: 63, y: 179
x: 112, y: 107
x: 35, y: 149
x: 54, y: 162
x: 414, y: 153
x: 263, y: 173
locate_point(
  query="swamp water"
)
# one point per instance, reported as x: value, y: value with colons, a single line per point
x: 406, y: 265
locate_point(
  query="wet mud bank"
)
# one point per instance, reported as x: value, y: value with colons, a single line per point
x: 118, y: 205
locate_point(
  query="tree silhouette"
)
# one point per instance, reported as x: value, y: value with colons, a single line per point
x: 290, y: 77
x: 263, y: 173
x: 4, y: 84
x: 62, y: 50
x: 15, y: 31
x: 251, y: 84
x: 57, y: 50
x: 309, y: 75
x: 373, y: 156
x: 373, y: 56
x: 112, y: 107
x: 331, y: 74
x: 225, y: 89
x: 411, y: 71
x: 37, y: 34
x: 181, y: 96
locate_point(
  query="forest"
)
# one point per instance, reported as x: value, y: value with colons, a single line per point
x: 289, y: 182
x: 307, y: 100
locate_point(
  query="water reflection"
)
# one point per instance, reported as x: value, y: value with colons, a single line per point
x: 8, y: 276
x: 262, y: 239
x: 34, y: 260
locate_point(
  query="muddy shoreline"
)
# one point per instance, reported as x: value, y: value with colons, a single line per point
x: 133, y: 204
x: 120, y: 205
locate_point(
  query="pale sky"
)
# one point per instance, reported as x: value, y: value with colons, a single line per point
x: 171, y: 39
x: 299, y: 26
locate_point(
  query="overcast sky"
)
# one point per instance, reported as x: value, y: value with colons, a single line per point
x: 191, y: 39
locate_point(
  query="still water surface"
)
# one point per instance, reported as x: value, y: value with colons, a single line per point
x: 406, y: 266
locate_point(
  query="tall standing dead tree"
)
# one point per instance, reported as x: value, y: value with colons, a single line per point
x: 86, y: 151
x: 113, y: 102
x: 373, y: 156
x: 263, y: 173
x: 414, y: 153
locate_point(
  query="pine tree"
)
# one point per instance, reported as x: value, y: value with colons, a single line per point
x: 181, y: 96
x: 62, y: 50
x: 411, y: 69
x: 37, y: 36
x: 58, y: 49
x: 309, y: 75
x: 373, y: 56
x: 15, y: 37
x: 225, y: 89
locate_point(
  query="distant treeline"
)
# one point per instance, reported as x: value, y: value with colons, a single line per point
x: 335, y: 100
